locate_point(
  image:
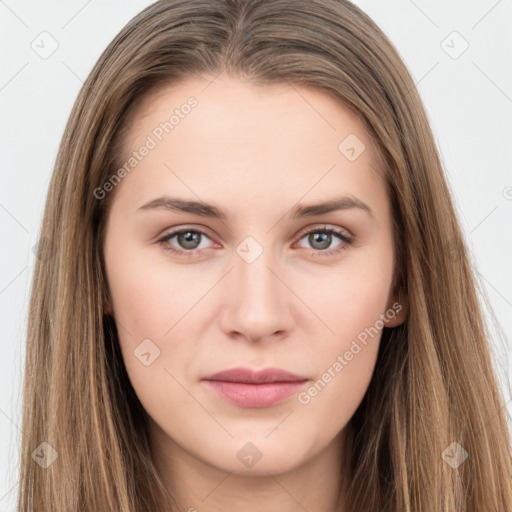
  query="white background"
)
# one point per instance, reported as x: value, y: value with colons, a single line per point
x: 468, y: 100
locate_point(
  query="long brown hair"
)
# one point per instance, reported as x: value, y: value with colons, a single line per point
x: 434, y: 395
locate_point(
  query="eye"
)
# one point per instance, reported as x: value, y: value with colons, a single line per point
x: 189, y: 241
x: 322, y: 238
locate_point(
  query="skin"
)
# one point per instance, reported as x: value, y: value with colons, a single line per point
x: 255, y: 151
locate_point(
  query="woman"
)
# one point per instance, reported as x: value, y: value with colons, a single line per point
x: 190, y: 352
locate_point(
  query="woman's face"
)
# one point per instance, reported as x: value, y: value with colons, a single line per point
x: 254, y: 280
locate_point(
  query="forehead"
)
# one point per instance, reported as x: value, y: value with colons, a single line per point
x: 274, y: 141
x: 230, y: 102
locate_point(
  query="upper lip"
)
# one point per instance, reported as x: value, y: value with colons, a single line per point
x: 248, y: 376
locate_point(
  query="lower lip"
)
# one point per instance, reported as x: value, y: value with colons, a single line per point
x: 255, y: 395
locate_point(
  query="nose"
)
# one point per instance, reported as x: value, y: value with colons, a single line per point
x: 257, y: 303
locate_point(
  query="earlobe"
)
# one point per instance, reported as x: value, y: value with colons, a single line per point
x: 397, y: 309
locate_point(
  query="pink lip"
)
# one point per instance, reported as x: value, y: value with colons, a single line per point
x: 249, y: 388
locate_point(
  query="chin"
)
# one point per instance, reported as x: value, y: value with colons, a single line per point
x: 256, y: 456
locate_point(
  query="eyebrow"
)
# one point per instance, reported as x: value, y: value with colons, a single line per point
x: 210, y: 210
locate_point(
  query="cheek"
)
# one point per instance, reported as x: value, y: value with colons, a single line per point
x: 349, y: 302
x: 146, y: 307
x: 147, y: 296
x: 156, y: 336
x: 345, y: 362
x: 347, y: 351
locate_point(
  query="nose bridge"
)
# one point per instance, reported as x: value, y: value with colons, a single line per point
x: 256, y: 284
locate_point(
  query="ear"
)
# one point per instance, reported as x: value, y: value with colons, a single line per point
x: 397, y: 308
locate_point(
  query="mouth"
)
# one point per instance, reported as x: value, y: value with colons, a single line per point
x: 255, y: 389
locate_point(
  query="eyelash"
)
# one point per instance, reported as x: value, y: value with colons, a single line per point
x: 348, y: 241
